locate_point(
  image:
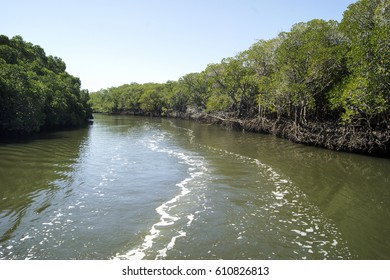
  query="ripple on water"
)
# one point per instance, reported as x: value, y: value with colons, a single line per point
x: 277, y: 211
x: 171, y: 225
x: 208, y: 215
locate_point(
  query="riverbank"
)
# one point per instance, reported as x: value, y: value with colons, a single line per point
x: 329, y: 135
x: 332, y: 136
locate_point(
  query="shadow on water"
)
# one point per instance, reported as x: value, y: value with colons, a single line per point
x: 32, y: 171
x: 44, y: 135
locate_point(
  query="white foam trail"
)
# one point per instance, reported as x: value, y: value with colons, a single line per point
x: 309, y: 218
x: 163, y: 252
x: 190, y: 218
x: 196, y: 169
x: 165, y: 220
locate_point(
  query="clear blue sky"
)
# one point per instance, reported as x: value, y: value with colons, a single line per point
x: 113, y: 42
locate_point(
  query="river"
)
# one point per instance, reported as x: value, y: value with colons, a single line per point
x: 148, y: 188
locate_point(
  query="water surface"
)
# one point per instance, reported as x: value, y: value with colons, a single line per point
x: 144, y: 188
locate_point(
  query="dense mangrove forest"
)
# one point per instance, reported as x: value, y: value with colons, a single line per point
x: 323, y: 83
x: 36, y: 92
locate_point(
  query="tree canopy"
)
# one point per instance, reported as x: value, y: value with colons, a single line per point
x: 35, y: 90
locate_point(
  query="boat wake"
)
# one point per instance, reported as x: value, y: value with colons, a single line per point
x: 172, y: 223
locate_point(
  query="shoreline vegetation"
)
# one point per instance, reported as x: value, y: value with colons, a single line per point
x: 323, y: 83
x: 36, y: 92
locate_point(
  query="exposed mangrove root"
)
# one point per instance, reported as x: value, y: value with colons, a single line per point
x: 329, y: 135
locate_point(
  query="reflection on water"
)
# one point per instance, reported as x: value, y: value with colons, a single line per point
x: 32, y: 172
x: 132, y: 187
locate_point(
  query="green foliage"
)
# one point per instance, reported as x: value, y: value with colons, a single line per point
x: 176, y: 98
x: 319, y: 70
x: 35, y: 90
x: 366, y: 95
x: 233, y: 85
x: 195, y: 85
x: 134, y: 99
x: 357, y: 104
x: 218, y: 103
x: 152, y: 99
x: 21, y: 99
x: 309, y: 62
